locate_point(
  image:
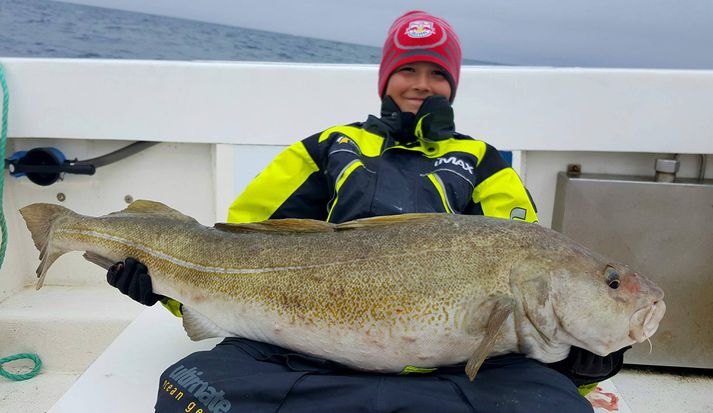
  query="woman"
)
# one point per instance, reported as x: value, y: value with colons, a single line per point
x: 410, y: 159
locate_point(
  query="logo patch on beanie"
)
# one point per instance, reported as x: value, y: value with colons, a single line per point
x: 418, y: 29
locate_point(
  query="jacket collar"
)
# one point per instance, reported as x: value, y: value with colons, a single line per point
x: 433, y: 122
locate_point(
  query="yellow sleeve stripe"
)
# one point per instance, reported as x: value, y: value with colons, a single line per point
x: 340, y: 180
x: 173, y: 306
x: 273, y: 186
x: 585, y: 389
x: 441, y: 192
x: 369, y: 144
x: 417, y: 370
x: 503, y: 192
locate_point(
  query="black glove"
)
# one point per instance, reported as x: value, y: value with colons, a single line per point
x: 132, y: 278
x: 436, y: 118
x: 584, y: 367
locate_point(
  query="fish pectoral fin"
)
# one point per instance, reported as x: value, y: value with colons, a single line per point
x: 143, y: 206
x: 386, y: 220
x: 99, y: 260
x: 287, y: 225
x: 502, y: 309
x: 199, y: 327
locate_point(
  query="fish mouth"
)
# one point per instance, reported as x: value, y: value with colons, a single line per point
x: 645, y: 321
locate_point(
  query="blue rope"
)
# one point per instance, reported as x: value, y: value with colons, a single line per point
x: 19, y: 377
x: 3, y: 245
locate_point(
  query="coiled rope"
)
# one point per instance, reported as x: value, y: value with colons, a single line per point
x: 3, y: 246
x: 3, y: 139
x: 19, y: 377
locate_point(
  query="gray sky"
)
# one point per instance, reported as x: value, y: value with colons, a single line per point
x: 587, y: 33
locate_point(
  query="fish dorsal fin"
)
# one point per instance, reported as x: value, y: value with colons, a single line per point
x: 386, y: 220
x: 144, y: 206
x: 502, y: 308
x: 290, y: 225
x: 287, y: 225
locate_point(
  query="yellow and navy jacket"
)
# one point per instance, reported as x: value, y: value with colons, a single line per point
x: 396, y: 164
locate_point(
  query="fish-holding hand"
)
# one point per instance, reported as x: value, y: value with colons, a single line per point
x: 132, y: 279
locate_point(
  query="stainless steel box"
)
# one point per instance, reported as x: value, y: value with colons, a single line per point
x: 662, y: 230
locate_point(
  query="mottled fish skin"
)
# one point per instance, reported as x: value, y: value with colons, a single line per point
x: 375, y: 294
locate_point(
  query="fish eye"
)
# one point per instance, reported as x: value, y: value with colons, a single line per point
x: 612, y: 277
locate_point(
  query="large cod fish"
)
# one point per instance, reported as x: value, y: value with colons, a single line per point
x: 376, y: 294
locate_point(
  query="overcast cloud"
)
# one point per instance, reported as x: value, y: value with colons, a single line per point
x: 595, y: 33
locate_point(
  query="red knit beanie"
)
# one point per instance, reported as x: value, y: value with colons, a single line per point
x: 419, y: 37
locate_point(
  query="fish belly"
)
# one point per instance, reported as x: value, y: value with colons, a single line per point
x: 379, y: 346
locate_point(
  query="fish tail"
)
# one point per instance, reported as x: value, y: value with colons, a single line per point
x: 40, y: 219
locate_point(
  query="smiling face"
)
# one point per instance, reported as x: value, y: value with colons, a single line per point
x: 411, y: 83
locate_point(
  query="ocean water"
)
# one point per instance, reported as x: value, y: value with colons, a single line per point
x: 41, y: 28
